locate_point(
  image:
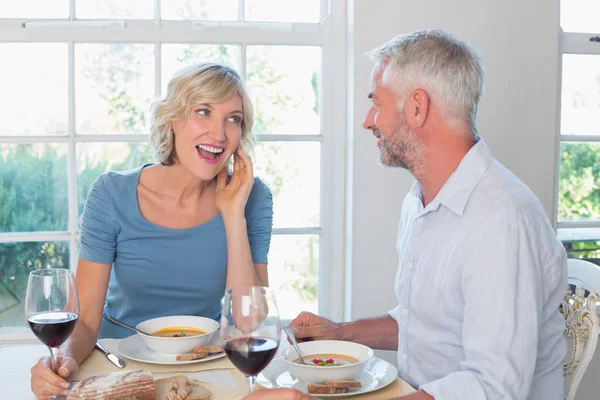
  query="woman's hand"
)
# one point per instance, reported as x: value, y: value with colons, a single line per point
x: 232, y: 196
x: 45, y: 383
x: 279, y: 394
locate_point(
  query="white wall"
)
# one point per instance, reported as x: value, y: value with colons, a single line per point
x: 519, y: 41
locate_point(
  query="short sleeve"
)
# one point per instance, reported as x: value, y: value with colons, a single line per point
x: 98, y: 233
x: 259, y: 220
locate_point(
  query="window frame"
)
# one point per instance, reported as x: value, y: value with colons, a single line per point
x: 329, y: 34
x: 578, y: 44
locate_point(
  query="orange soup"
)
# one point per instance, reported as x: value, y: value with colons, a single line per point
x: 178, y: 331
x: 328, y: 360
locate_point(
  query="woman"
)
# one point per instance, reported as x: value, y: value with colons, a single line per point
x: 169, y: 238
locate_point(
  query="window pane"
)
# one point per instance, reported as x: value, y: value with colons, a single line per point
x: 218, y: 10
x: 588, y: 250
x: 93, y: 159
x: 114, y: 87
x: 37, y: 103
x: 284, y: 82
x: 109, y: 9
x: 580, y: 16
x: 292, y: 170
x: 33, y: 187
x: 283, y: 10
x: 17, y: 260
x: 580, y: 105
x: 579, y: 186
x: 294, y: 273
x: 177, y: 56
x: 34, y: 9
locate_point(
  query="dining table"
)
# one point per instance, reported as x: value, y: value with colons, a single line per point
x: 219, y: 375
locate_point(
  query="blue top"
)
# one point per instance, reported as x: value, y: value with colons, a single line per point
x: 158, y: 271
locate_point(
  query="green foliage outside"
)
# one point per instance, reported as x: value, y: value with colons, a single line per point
x: 579, y: 192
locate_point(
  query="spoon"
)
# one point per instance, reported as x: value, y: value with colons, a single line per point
x: 124, y: 325
x: 290, y: 332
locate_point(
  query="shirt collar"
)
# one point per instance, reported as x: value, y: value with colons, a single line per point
x: 458, y: 188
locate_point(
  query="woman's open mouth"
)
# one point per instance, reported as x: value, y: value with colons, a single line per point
x: 209, y: 154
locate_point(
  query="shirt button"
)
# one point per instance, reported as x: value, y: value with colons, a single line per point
x: 404, y: 356
x: 405, y: 311
x: 410, y: 265
x: 420, y: 220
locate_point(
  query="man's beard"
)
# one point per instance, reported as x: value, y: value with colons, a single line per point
x: 403, y: 149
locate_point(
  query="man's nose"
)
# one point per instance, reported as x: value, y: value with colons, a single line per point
x: 369, y: 123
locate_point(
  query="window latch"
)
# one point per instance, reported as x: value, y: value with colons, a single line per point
x: 595, y: 39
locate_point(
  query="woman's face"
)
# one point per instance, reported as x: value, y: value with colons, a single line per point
x: 205, y: 141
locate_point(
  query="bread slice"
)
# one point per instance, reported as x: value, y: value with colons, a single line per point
x: 183, y: 386
x: 166, y: 389
x: 208, y: 349
x: 324, y: 389
x: 137, y: 384
x: 198, y: 392
x: 191, y: 356
x: 344, y: 384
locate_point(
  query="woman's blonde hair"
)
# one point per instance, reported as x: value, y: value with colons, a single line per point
x: 196, y: 84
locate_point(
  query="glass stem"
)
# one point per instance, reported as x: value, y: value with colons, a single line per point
x: 54, y: 355
x: 251, y: 381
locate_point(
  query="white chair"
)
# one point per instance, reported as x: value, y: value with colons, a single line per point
x: 582, y: 325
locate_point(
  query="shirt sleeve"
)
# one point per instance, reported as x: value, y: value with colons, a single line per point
x: 98, y: 232
x: 502, y: 288
x: 259, y: 217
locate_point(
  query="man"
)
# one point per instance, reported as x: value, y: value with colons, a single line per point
x: 481, y: 273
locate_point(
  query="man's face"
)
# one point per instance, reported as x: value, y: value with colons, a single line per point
x: 398, y: 145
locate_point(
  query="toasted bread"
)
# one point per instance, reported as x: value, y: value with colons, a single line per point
x: 198, y: 392
x: 324, y: 389
x: 166, y: 389
x: 191, y: 356
x: 344, y: 384
x: 208, y: 349
x: 183, y: 386
x: 116, y: 385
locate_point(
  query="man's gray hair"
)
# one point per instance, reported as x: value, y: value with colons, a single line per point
x: 449, y: 70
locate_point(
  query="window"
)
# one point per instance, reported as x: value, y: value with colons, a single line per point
x: 579, y: 153
x: 79, y: 77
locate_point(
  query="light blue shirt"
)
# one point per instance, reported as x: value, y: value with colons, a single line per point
x: 158, y: 271
x: 480, y: 277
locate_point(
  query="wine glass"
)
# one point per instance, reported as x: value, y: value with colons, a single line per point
x: 250, y: 329
x: 52, y: 308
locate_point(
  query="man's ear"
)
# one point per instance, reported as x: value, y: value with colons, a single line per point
x: 416, y: 108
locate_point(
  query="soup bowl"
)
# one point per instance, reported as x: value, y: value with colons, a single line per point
x: 326, y: 350
x: 178, y: 344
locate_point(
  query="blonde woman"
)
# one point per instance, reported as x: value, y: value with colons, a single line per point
x: 170, y: 237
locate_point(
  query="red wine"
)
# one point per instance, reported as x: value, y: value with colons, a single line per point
x: 251, y: 354
x: 53, y: 328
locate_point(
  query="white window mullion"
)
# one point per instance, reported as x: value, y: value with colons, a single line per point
x: 241, y: 10
x: 72, y: 162
x: 332, y: 262
x: 580, y: 43
x: 243, y: 60
x: 157, y: 70
x: 34, y: 237
x: 72, y: 9
x: 298, y: 231
x: 138, y: 31
x: 580, y: 138
x: 579, y: 224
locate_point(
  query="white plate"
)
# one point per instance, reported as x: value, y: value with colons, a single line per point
x: 376, y: 375
x: 135, y: 349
